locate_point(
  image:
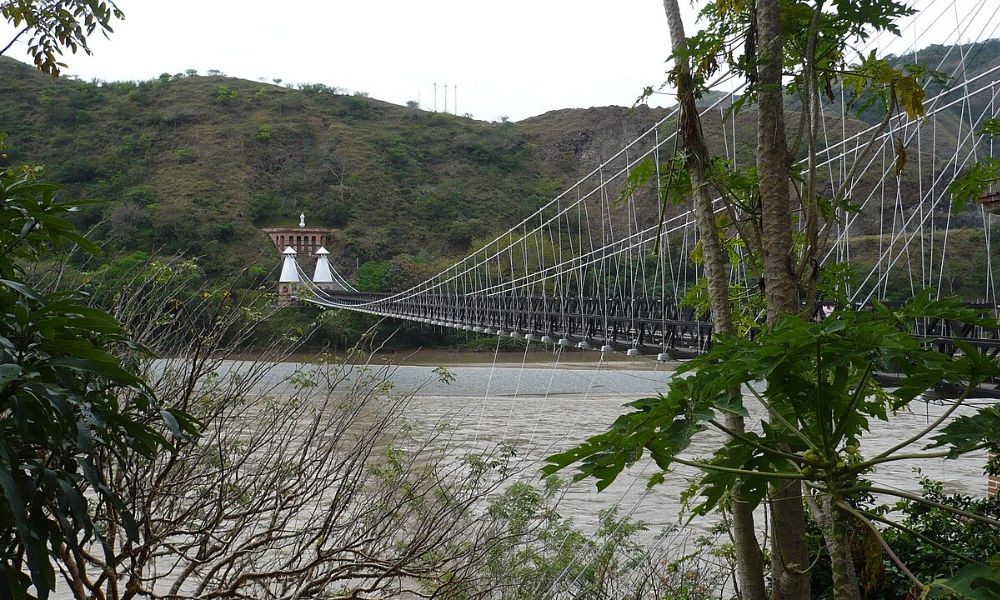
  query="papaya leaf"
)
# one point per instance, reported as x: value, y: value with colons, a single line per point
x: 977, y: 582
x: 965, y: 432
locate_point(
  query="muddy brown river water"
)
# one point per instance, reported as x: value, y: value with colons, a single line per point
x: 543, y: 407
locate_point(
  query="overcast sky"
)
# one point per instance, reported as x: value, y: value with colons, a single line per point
x: 515, y: 58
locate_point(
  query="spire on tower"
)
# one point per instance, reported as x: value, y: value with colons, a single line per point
x: 322, y: 273
x: 289, y: 269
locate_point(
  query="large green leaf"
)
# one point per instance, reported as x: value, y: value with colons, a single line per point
x: 963, y: 433
x: 976, y: 582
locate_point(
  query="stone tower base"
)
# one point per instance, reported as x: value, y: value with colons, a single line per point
x: 286, y: 294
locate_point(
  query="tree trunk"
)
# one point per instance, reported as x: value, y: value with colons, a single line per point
x: 789, y: 556
x: 773, y: 166
x: 845, y: 577
x: 749, y: 559
x: 836, y: 528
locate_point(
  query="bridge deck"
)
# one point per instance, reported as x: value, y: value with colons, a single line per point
x: 649, y: 326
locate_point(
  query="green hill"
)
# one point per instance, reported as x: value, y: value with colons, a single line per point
x: 199, y: 164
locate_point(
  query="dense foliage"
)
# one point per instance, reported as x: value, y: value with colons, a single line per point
x: 820, y: 388
x: 70, y: 399
x: 934, y: 544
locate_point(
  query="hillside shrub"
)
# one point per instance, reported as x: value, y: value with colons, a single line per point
x: 263, y: 207
x: 129, y: 221
x: 135, y: 145
x: 288, y: 103
x: 370, y: 276
x: 138, y: 96
x: 82, y: 117
x: 179, y: 115
x: 223, y: 232
x: 263, y: 134
x: 225, y: 94
x: 401, y: 156
x: 318, y: 88
x: 463, y: 231
x: 357, y: 107
x: 177, y: 231
x: 61, y: 114
x: 433, y: 209
x: 77, y: 169
x: 185, y: 155
x: 406, y: 271
x: 331, y: 213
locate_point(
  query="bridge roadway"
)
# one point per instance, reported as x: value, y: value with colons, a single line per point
x: 637, y: 326
x: 645, y: 326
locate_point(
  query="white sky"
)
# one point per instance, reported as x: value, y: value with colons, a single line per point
x: 515, y: 58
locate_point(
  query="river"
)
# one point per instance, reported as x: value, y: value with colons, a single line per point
x: 543, y: 403
x: 544, y: 406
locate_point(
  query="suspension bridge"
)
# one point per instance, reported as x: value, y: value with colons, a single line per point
x: 606, y: 264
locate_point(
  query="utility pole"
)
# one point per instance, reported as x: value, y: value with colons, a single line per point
x: 435, y: 96
x: 445, y: 97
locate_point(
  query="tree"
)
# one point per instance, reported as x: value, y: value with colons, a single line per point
x: 71, y: 401
x: 789, y: 558
x: 820, y: 390
x: 697, y: 162
x: 53, y: 26
x: 370, y: 276
x: 808, y: 46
